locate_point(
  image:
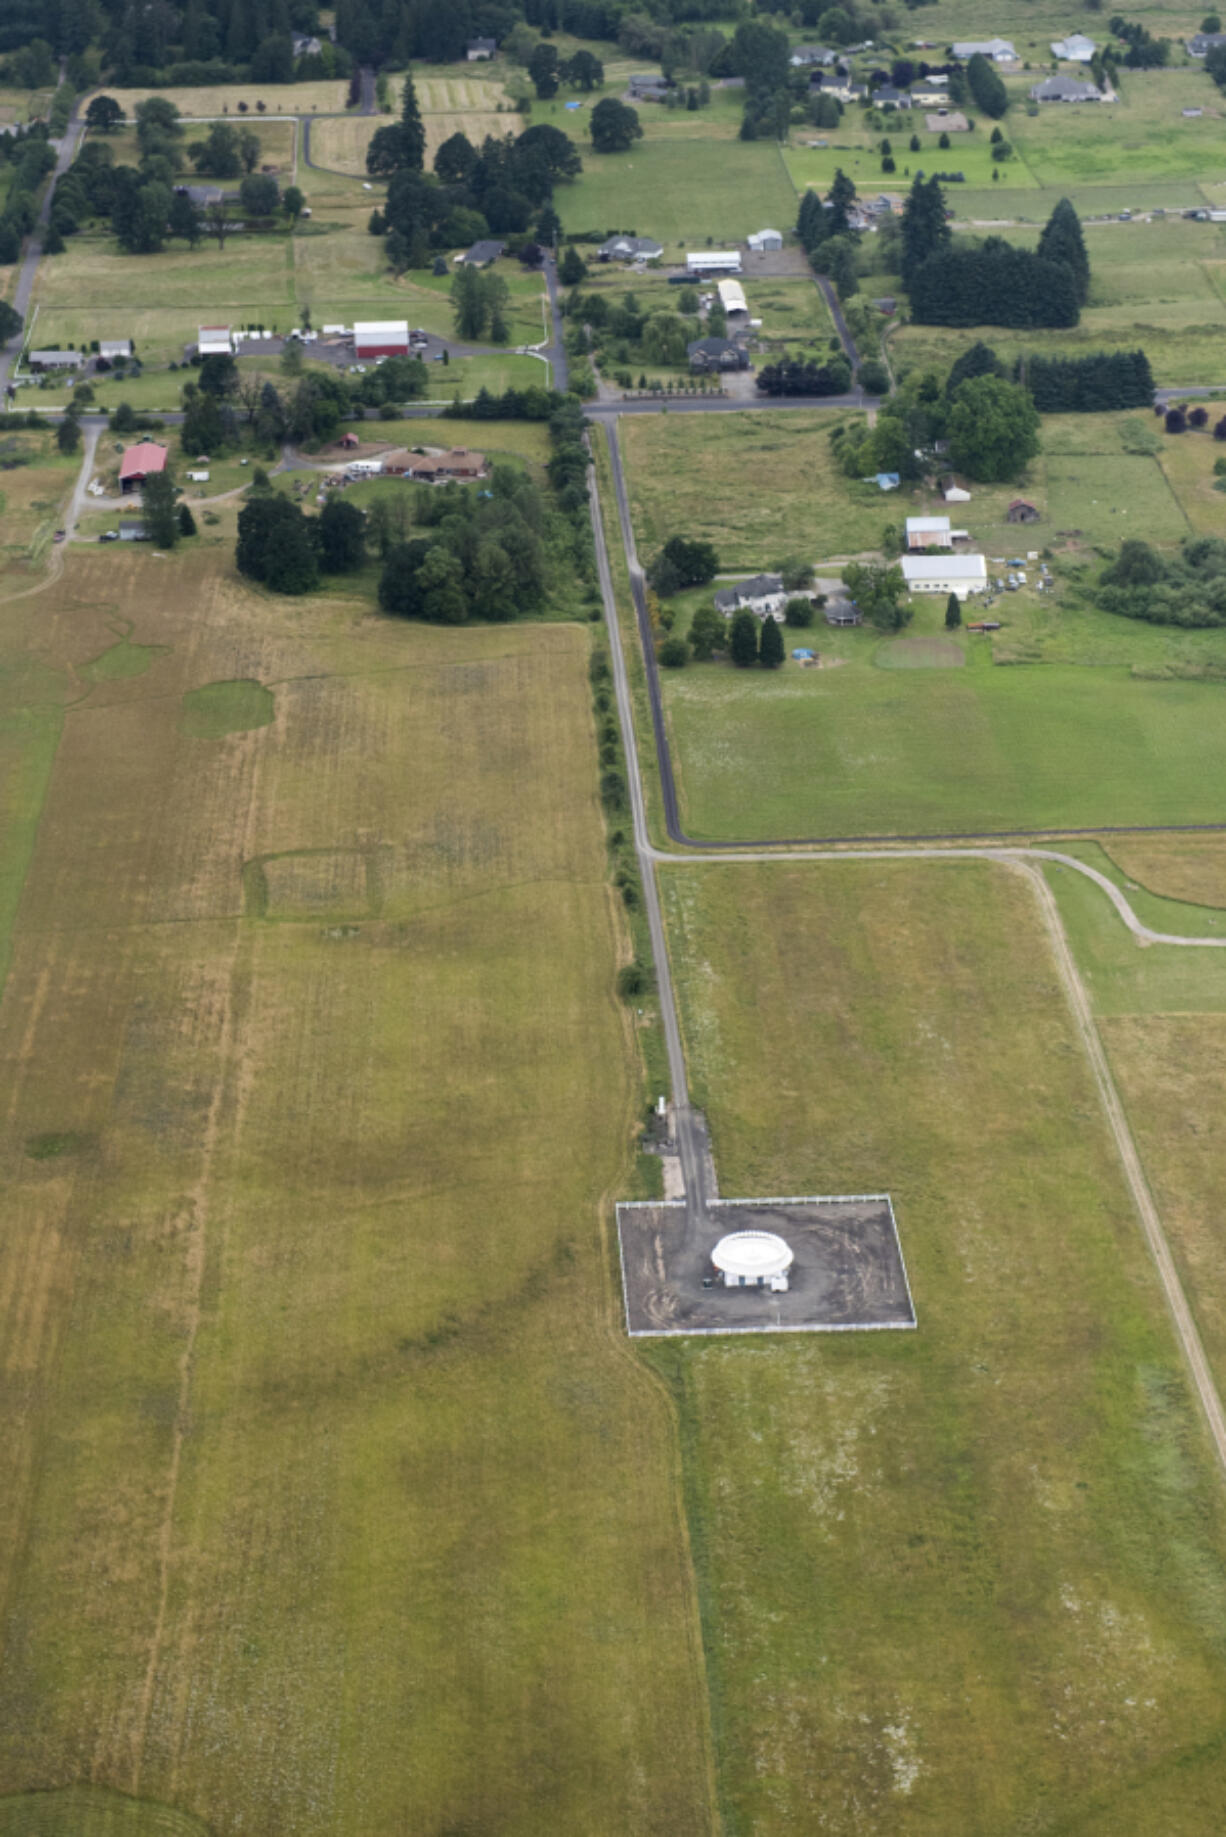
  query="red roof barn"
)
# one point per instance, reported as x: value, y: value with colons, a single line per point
x: 381, y: 338
x: 139, y: 461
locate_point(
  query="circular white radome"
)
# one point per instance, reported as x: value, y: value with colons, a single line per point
x: 752, y: 1254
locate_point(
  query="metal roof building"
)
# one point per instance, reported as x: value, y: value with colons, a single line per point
x: 215, y: 341
x: 381, y: 338
x: 960, y: 574
x: 714, y: 261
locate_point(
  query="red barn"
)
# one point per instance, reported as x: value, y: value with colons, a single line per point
x: 381, y: 338
x: 139, y: 461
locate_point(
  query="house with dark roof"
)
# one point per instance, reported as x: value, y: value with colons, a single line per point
x: 889, y: 97
x: 804, y: 57
x: 761, y: 594
x: 708, y: 354
x: 1065, y: 89
x: 305, y: 44
x: 482, y: 254
x: 1202, y: 43
x: 648, y: 87
x: 1021, y: 510
x: 479, y: 48
x: 630, y: 249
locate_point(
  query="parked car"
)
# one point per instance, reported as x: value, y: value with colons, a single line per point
x: 109, y: 535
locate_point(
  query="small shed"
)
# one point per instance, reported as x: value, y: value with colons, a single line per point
x: 132, y: 529
x: 1021, y: 510
x: 762, y: 240
x: 843, y: 612
x: 215, y: 341
x: 954, y: 491
x: 114, y: 348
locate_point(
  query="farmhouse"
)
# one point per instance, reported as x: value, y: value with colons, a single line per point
x: 481, y: 254
x: 139, y: 461
x: 889, y: 97
x: 112, y: 349
x: 804, y: 57
x: 753, y: 1259
x: 1075, y: 49
x: 929, y: 533
x: 762, y: 240
x: 381, y: 338
x: 1202, y: 43
x: 305, y: 44
x: 732, y: 297
x: 960, y: 574
x: 998, y: 49
x: 479, y: 48
x: 1021, y: 511
x: 1065, y: 89
x: 930, y: 92
x: 948, y: 121
x: 840, y: 87
x: 761, y: 594
x: 707, y: 354
x: 54, y: 360
x: 713, y: 261
x: 630, y: 249
x: 648, y: 88
x: 215, y: 341
x: 432, y: 468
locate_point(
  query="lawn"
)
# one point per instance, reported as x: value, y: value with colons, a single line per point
x: 683, y: 191
x: 858, y: 154
x: 323, y: 97
x: 967, y: 1578
x: 32, y: 497
x: 1143, y: 135
x: 331, y: 1498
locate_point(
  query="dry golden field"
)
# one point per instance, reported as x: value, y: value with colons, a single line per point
x: 332, y: 1500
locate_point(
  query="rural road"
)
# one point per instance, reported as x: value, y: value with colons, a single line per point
x: 1018, y: 859
x: 34, y: 248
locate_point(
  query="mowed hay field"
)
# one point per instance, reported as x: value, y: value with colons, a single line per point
x: 332, y: 1501
x: 966, y: 1579
x: 341, y: 143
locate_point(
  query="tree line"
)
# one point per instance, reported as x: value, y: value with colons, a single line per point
x: 992, y: 282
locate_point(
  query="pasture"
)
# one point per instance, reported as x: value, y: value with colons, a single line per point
x: 325, y: 1470
x: 208, y: 102
x: 970, y: 1577
x: 666, y: 188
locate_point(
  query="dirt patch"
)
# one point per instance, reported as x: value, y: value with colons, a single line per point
x: 920, y: 654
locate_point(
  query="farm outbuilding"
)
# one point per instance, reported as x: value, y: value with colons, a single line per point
x: 215, y: 341
x: 139, y: 461
x: 114, y: 348
x: 929, y: 533
x: 1022, y: 511
x: 762, y: 240
x: 381, y: 338
x: 713, y: 261
x: 960, y: 574
x: 753, y: 1259
x: 732, y: 297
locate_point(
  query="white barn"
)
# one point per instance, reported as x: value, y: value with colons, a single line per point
x: 732, y: 297
x: 215, y: 341
x: 714, y: 261
x: 960, y: 574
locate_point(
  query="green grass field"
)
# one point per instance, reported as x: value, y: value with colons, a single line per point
x: 668, y: 188
x: 331, y: 1497
x: 967, y: 1578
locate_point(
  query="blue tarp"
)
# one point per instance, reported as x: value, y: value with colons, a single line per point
x: 889, y: 481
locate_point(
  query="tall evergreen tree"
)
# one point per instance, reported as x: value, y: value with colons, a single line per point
x: 743, y: 643
x: 953, y: 612
x: 414, y: 134
x: 925, y: 228
x: 983, y: 81
x: 839, y: 197
x: 770, y: 647
x: 1062, y: 241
